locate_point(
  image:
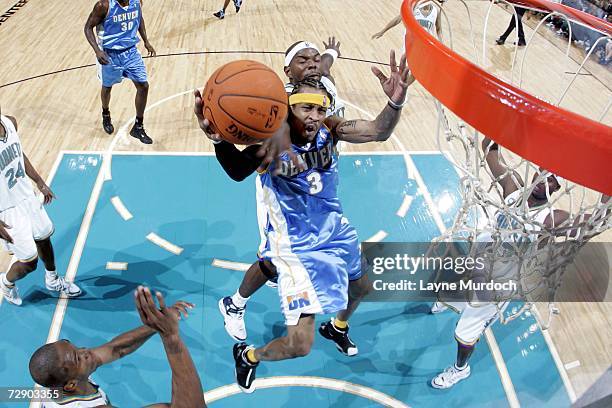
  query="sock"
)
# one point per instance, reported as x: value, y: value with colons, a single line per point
x: 139, y: 121
x: 105, y: 112
x: 239, y: 300
x: 461, y: 368
x: 250, y: 356
x: 6, y: 282
x: 340, y: 324
x: 50, y: 275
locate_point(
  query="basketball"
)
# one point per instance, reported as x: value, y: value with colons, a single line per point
x: 245, y: 102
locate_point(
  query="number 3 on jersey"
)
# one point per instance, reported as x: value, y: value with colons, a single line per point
x: 316, y: 185
x: 12, y: 176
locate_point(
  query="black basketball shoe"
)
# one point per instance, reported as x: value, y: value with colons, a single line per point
x: 344, y: 344
x: 139, y: 133
x: 245, y: 370
x: 237, y: 4
x: 107, y: 123
x: 219, y: 14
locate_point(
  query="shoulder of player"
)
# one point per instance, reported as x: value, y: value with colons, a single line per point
x: 101, y: 8
x: 13, y: 121
x: 333, y: 122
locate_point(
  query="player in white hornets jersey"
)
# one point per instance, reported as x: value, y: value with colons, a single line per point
x: 428, y: 16
x: 25, y: 227
x: 476, y: 318
x: 66, y: 369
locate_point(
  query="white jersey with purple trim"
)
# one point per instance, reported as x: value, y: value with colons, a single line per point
x: 14, y: 184
x: 96, y: 399
x: 428, y: 21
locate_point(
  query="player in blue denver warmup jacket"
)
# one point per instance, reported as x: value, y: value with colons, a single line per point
x: 309, y: 242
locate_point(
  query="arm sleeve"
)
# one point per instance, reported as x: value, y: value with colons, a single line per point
x: 237, y: 164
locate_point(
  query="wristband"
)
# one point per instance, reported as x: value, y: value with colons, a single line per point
x: 333, y: 53
x: 395, y: 105
x: 216, y: 141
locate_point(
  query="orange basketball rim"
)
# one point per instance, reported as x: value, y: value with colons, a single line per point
x: 577, y: 148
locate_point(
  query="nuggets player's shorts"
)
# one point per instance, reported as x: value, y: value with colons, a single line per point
x: 311, y: 282
x: 123, y: 64
x: 475, y: 318
x: 29, y: 222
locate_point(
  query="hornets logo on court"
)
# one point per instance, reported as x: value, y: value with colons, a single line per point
x: 298, y: 301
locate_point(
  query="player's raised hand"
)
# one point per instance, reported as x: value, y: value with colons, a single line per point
x: 46, y: 191
x: 4, y: 233
x: 198, y: 109
x: 396, y: 84
x: 332, y: 44
x: 162, y: 319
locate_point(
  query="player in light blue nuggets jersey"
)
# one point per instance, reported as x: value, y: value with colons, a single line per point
x: 117, y: 23
x: 309, y: 242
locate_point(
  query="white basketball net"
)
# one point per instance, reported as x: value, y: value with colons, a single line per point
x: 521, y: 247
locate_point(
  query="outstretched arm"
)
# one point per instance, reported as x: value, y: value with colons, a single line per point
x: 558, y: 217
x: 395, y: 87
x: 509, y: 180
x: 389, y: 26
x: 186, y: 385
x: 327, y: 60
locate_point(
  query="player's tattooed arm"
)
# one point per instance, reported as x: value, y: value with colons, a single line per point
x: 364, y: 131
x: 96, y: 17
x: 395, y: 87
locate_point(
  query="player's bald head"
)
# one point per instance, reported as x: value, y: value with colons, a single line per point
x: 46, y: 366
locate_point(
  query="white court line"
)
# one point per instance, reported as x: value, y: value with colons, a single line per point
x: 403, y: 210
x: 75, y: 259
x: 311, y: 382
x: 167, y: 245
x: 117, y: 266
x: 121, y: 208
x: 573, y: 364
x: 234, y: 266
x: 557, y: 359
x: 379, y: 236
x: 50, y: 177
x: 498, y: 358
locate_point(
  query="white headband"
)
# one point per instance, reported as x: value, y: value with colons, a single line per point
x: 299, y: 47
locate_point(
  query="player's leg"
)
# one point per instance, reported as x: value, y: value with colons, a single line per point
x: 502, y: 38
x: 473, y: 322
x: 297, y: 343
x: 521, y: 34
x: 337, y: 329
x: 134, y: 69
x: 233, y: 307
x: 109, y: 75
x: 221, y: 13
x: 107, y: 122
x: 42, y: 229
x: 22, y: 248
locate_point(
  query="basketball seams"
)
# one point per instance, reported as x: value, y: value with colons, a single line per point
x: 240, y: 72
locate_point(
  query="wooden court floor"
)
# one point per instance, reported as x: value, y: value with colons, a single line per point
x: 61, y: 111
